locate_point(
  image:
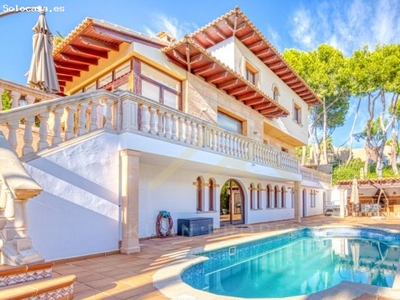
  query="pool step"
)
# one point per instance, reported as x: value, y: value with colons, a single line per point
x: 34, y: 282
x: 11, y: 275
x: 52, y: 288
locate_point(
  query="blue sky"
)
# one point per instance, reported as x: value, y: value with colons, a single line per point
x: 301, y: 24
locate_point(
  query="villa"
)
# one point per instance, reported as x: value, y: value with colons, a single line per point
x: 205, y: 126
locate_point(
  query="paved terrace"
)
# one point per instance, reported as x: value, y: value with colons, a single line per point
x: 117, y: 276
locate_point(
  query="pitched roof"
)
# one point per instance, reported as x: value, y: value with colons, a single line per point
x: 202, y: 63
x: 88, y: 42
x: 235, y: 23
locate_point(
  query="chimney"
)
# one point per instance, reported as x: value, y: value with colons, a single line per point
x: 165, y: 36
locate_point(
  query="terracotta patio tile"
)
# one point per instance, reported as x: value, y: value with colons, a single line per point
x: 92, y: 277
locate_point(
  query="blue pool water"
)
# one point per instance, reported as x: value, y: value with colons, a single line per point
x: 298, y: 263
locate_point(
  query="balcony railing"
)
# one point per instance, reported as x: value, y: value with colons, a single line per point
x: 22, y: 95
x: 314, y: 175
x: 43, y: 125
x: 16, y: 188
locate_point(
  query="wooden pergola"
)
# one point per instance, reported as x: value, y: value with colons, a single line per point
x: 383, y: 191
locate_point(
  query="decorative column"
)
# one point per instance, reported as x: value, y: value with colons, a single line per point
x: 297, y: 201
x: 15, y: 98
x: 342, y: 203
x: 1, y: 94
x: 129, y: 168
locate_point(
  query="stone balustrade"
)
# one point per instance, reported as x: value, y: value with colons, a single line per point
x: 46, y: 124
x: 16, y: 188
x: 22, y: 95
x: 314, y: 175
x: 37, y: 127
x: 162, y: 122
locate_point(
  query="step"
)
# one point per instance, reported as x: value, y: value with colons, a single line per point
x: 11, y: 275
x: 52, y: 288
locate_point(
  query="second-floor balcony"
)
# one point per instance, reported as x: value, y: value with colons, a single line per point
x: 47, y: 124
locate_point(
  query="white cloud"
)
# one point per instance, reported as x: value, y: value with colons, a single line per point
x: 161, y: 22
x: 302, y: 32
x: 274, y: 37
x: 346, y: 25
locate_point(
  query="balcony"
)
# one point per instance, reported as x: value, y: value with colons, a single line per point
x: 46, y: 124
x: 22, y: 95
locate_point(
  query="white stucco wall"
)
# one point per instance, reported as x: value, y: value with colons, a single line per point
x: 225, y: 52
x: 267, y: 79
x: 172, y: 189
x: 78, y: 211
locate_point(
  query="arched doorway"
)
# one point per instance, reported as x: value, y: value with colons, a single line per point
x: 232, y: 203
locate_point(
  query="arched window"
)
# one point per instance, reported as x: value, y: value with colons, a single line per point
x: 275, y: 92
x: 276, y: 196
x: 211, y: 194
x: 269, y: 200
x: 283, y: 197
x: 259, y: 200
x: 200, y: 194
x: 252, y: 202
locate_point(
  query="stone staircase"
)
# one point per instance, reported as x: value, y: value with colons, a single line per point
x: 34, y: 281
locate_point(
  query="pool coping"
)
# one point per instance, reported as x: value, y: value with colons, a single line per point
x: 168, y: 279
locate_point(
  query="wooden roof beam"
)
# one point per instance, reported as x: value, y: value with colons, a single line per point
x: 196, y: 58
x: 230, y: 25
x: 299, y: 89
x: 296, y: 85
x: 310, y: 97
x: 288, y: 76
x: 255, y: 45
x: 80, y: 59
x: 248, y: 96
x: 264, y: 52
x: 65, y: 78
x: 283, y: 71
x: 63, y: 71
x: 91, y: 52
x: 208, y: 38
x: 256, y: 101
x: 72, y: 66
x: 248, y: 36
x: 239, y: 90
x: 219, y: 33
x: 112, y: 34
x: 303, y: 94
x: 61, y: 83
x: 98, y: 43
x: 217, y: 76
x: 269, y: 59
x: 188, y: 61
x: 205, y: 69
x: 228, y: 84
x: 278, y: 65
x: 275, y: 115
x: 269, y: 110
x: 178, y: 56
x: 291, y: 81
x: 264, y: 105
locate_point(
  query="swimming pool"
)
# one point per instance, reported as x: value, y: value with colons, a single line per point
x: 300, y: 262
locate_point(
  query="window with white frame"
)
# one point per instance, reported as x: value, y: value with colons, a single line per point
x: 160, y: 87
